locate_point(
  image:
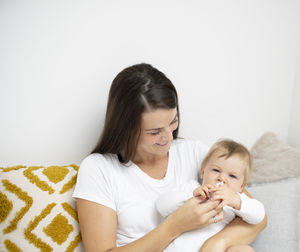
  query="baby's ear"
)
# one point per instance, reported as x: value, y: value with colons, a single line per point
x: 201, y: 172
x: 243, y: 187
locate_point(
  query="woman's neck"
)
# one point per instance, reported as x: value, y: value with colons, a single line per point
x: 154, y: 166
x: 148, y: 159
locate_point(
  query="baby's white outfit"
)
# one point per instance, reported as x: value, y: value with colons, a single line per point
x: 252, y: 211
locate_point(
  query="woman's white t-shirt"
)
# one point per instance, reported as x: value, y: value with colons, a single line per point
x: 131, y: 192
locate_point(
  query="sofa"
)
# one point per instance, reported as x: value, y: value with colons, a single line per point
x: 37, y: 212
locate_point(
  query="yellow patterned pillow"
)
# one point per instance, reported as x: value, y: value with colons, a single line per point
x: 37, y: 211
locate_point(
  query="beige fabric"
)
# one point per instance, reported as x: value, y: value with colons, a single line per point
x: 273, y: 160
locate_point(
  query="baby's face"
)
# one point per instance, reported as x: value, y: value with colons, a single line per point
x: 230, y: 171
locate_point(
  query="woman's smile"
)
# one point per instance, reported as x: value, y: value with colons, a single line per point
x: 162, y: 144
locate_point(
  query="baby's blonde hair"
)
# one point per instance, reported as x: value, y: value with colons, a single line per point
x: 229, y: 148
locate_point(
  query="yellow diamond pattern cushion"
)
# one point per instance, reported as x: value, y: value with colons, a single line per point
x: 37, y: 211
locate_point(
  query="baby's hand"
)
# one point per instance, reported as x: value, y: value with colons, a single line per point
x: 202, y: 192
x: 227, y: 196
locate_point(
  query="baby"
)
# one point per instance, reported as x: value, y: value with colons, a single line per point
x: 224, y: 172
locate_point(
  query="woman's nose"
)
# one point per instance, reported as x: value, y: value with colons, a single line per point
x: 168, y: 134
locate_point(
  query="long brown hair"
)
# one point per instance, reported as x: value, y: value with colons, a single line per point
x: 134, y: 90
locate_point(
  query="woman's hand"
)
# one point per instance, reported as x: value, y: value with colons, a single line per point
x: 194, y: 215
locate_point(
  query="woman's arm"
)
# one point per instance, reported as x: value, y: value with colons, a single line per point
x: 98, y: 226
x: 235, y: 233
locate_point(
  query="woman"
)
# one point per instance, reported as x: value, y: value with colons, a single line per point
x: 137, y: 159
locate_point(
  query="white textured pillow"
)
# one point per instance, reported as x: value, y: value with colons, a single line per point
x: 282, y: 204
x: 273, y: 160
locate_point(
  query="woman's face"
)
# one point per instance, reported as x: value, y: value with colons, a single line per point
x: 156, y: 136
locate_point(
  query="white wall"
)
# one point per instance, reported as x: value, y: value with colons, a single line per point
x: 294, y: 126
x: 232, y: 61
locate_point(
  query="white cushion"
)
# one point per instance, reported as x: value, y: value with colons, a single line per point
x: 282, y: 204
